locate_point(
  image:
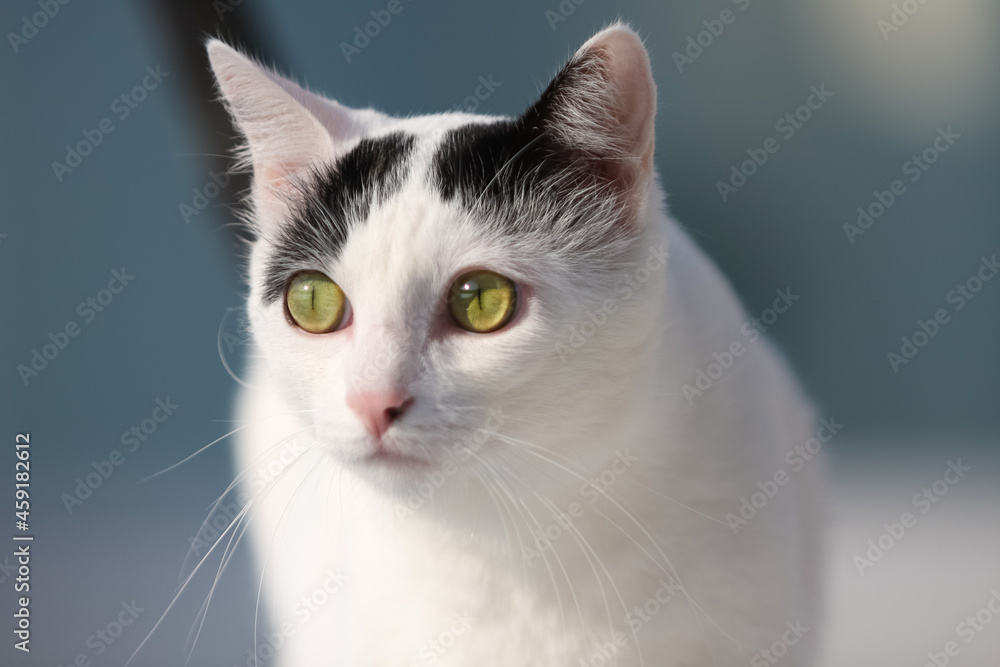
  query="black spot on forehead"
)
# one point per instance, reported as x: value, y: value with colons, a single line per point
x: 525, y: 175
x: 334, y: 199
x: 497, y: 160
x: 471, y: 157
x: 516, y: 179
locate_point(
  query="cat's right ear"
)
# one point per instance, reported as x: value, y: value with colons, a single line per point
x: 287, y: 128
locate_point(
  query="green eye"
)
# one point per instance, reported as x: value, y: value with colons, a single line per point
x: 315, y: 302
x: 482, y: 301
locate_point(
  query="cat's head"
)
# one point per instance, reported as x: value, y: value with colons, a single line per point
x: 419, y: 283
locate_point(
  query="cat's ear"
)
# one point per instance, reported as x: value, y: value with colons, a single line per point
x: 287, y: 128
x: 602, y: 106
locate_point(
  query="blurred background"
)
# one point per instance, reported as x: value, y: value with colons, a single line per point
x: 113, y: 191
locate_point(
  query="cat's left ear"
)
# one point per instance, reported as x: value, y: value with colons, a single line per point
x: 602, y: 106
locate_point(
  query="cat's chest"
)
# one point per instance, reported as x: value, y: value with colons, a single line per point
x: 450, y: 604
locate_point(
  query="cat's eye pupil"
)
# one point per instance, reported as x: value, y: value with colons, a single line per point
x: 482, y: 301
x: 314, y: 302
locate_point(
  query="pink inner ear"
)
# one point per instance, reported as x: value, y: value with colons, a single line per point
x: 283, y: 134
x: 273, y: 181
x: 627, y: 68
x: 340, y: 121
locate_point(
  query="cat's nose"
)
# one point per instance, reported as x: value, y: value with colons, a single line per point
x: 378, y: 409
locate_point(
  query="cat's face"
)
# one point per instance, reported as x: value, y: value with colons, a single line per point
x: 414, y: 282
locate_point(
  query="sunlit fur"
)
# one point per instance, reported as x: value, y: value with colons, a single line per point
x: 513, y: 427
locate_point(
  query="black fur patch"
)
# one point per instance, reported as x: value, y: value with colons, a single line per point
x: 507, y: 171
x: 492, y: 167
x: 476, y: 162
x: 338, y: 197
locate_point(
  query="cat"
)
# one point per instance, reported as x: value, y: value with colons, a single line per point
x: 473, y: 428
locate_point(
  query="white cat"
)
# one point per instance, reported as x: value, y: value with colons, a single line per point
x: 468, y: 440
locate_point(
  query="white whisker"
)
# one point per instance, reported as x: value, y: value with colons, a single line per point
x: 232, y: 526
x: 233, y: 432
x: 672, y: 573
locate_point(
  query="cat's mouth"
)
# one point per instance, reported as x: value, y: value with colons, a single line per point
x: 386, y: 457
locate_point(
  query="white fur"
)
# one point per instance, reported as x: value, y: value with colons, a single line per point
x: 567, y: 414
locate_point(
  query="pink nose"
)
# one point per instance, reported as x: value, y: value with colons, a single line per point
x: 378, y: 409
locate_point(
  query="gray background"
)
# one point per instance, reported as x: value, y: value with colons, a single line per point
x: 158, y: 338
